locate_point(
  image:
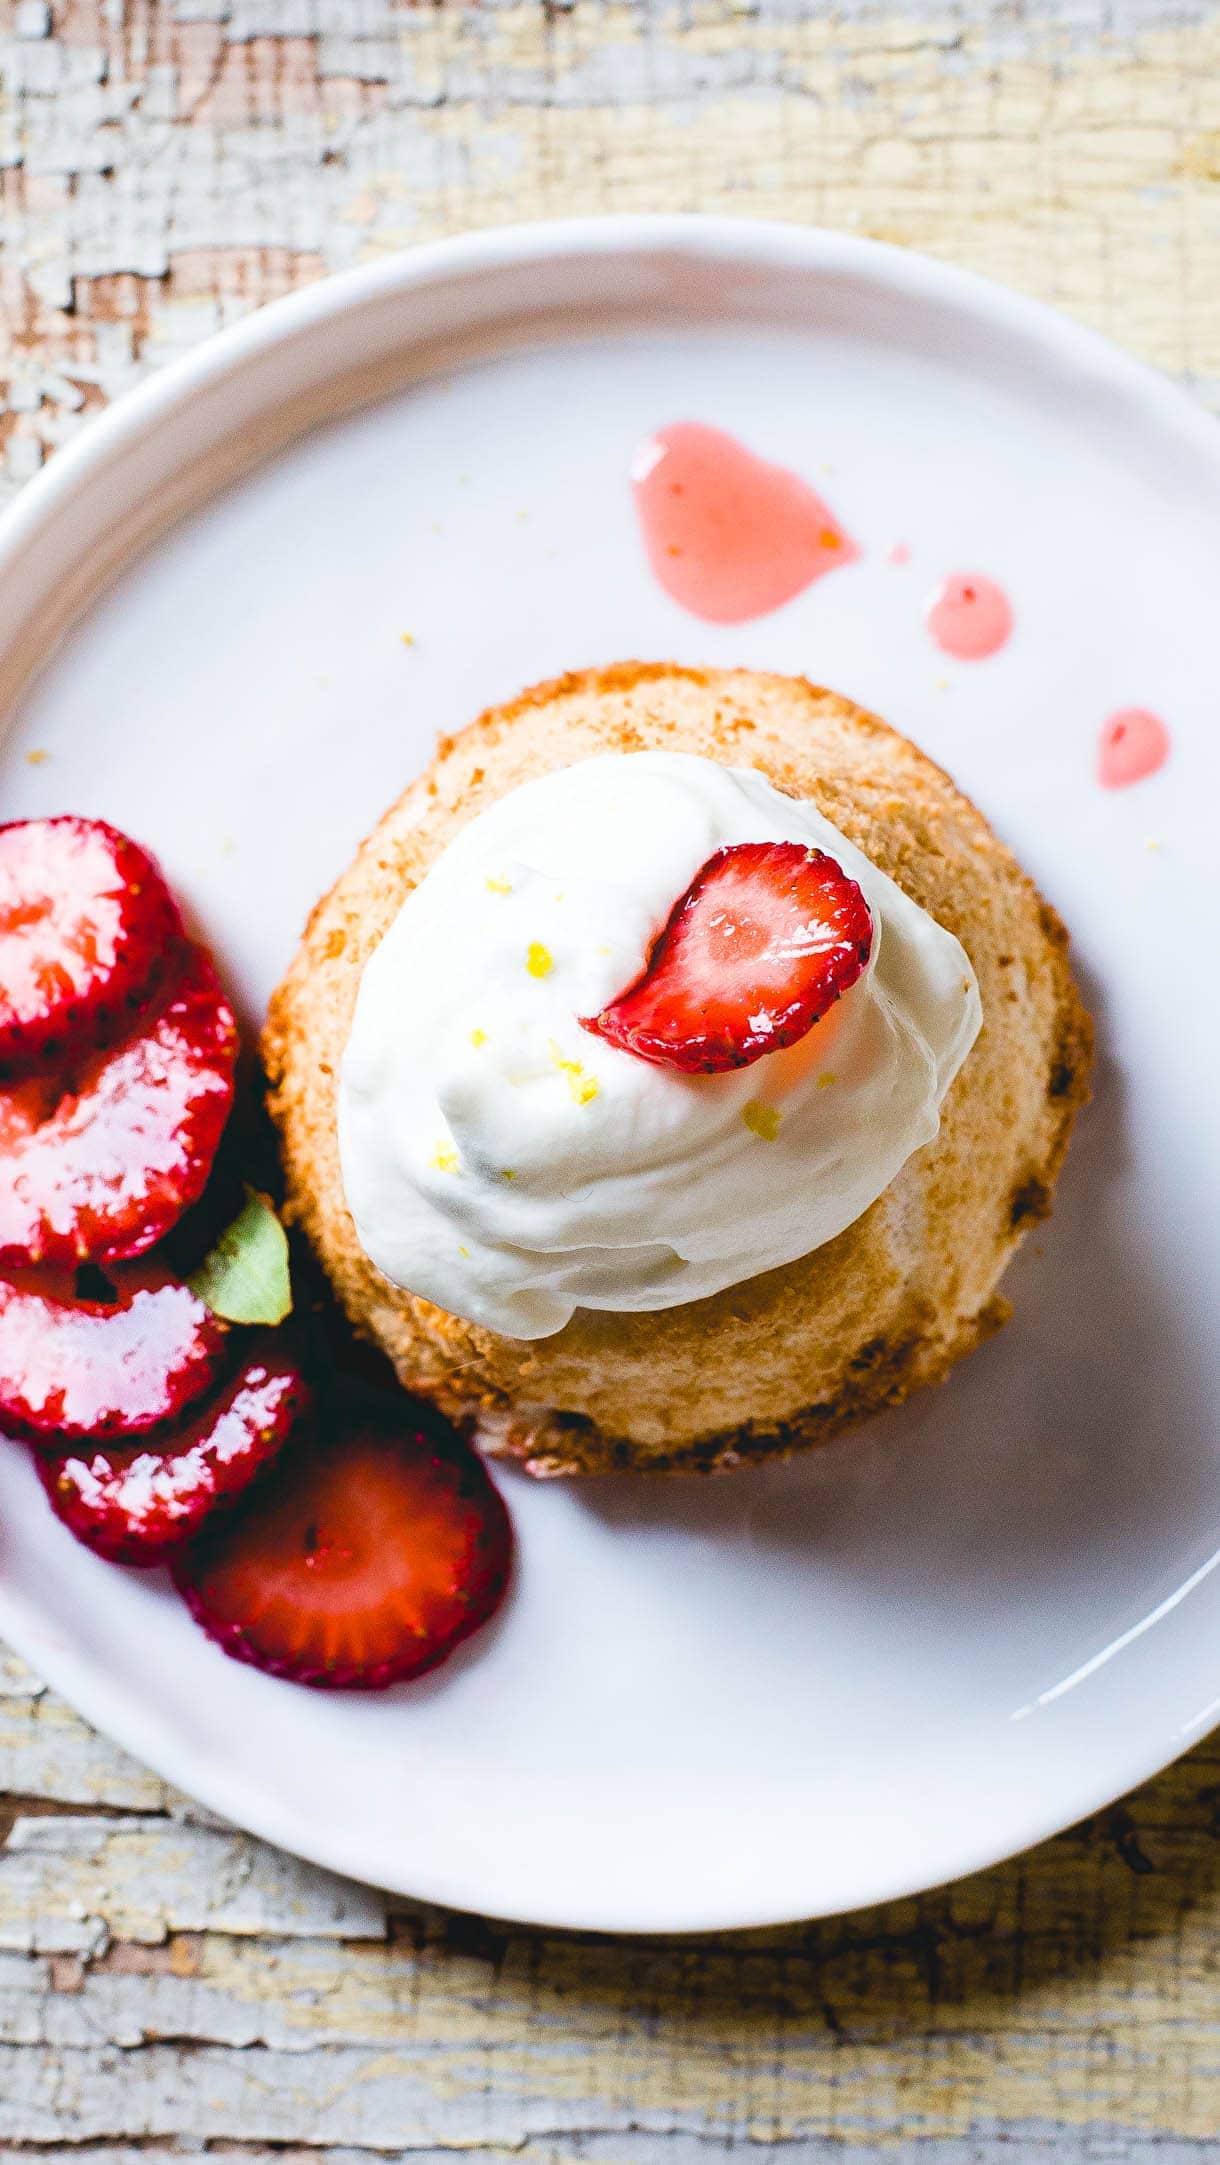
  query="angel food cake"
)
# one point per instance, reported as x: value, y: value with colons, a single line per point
x: 672, y: 1074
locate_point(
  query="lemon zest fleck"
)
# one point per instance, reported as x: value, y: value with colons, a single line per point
x: 582, y: 1087
x: 408, y: 638
x: 539, y: 960
x: 444, y: 1159
x: 497, y: 886
x: 762, y: 1120
x: 477, y: 1038
x: 464, y: 1251
x: 507, y: 1173
x: 825, y: 1081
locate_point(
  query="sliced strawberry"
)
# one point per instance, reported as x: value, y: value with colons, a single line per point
x: 71, y: 1369
x: 97, y: 1166
x: 763, y: 942
x: 365, y: 1559
x: 86, y: 926
x: 137, y: 1504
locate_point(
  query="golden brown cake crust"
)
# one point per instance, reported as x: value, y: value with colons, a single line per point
x: 791, y: 1357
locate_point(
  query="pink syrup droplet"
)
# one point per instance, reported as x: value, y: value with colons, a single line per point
x: 729, y: 536
x: 969, y: 616
x: 899, y: 552
x: 1134, y: 743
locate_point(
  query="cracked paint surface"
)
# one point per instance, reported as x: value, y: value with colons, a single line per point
x: 170, y: 1985
x: 164, y: 169
x: 164, y: 1978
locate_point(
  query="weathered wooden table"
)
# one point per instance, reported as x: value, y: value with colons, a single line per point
x: 167, y: 1985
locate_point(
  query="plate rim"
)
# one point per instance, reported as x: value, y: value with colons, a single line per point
x: 705, y: 241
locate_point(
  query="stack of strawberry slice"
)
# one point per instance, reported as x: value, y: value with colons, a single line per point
x: 328, y: 1541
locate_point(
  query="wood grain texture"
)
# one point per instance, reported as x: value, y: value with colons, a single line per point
x: 162, y: 1979
x: 168, y: 1985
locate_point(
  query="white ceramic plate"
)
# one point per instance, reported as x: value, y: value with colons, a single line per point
x: 797, y: 1690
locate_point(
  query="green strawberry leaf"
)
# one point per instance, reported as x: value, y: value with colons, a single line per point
x: 246, y: 1278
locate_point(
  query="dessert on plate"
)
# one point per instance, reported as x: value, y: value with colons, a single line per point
x: 673, y: 1072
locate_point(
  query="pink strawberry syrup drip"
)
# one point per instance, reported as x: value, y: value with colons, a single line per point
x: 969, y: 616
x: 729, y: 536
x: 1134, y: 743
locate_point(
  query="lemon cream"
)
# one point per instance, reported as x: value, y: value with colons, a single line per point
x: 507, y: 1164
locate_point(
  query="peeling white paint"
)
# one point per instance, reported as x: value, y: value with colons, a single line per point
x: 32, y: 19
x: 150, y: 1877
x: 126, y: 174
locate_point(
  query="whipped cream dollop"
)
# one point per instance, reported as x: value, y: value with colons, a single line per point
x: 507, y: 1164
